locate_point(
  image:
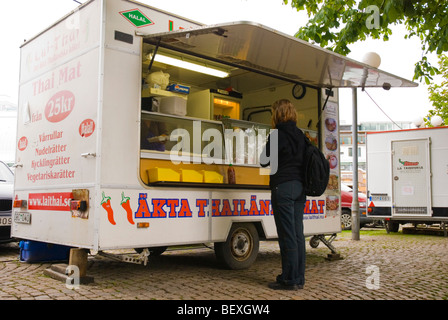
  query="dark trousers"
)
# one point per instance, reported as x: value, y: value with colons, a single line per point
x: 288, y: 201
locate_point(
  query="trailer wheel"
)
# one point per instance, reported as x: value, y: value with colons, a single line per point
x: 314, y: 242
x: 154, y: 251
x: 241, y: 247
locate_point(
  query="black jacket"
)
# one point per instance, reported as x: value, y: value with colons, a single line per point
x: 291, y: 146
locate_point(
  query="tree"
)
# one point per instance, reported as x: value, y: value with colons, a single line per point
x: 335, y: 24
x: 438, y: 94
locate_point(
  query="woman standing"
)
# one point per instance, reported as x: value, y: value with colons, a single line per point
x: 287, y: 194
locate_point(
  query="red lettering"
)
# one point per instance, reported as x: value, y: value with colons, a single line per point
x: 172, y: 204
x: 142, y: 210
x: 215, y: 207
x: 185, y: 210
x: 253, y: 211
x: 158, y: 211
x: 264, y: 207
x: 307, y: 207
x: 243, y: 212
x: 201, y: 203
x: 314, y: 207
x: 235, y: 207
x: 226, y: 211
x: 321, y: 206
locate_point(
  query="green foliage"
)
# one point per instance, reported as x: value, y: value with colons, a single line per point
x: 335, y: 24
x: 438, y: 93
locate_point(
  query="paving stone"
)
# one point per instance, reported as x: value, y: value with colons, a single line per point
x: 410, y: 267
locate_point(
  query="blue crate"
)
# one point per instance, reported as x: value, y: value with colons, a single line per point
x: 35, y: 251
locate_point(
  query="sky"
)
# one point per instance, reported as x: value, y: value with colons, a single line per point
x: 22, y: 19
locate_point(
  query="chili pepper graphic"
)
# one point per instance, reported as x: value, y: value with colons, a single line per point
x: 408, y: 163
x: 127, y: 206
x: 105, y: 203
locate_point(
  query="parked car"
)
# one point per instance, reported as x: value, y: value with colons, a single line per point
x: 6, y: 194
x: 346, y: 205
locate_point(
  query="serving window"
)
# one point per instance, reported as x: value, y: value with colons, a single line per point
x: 196, y: 121
x: 179, y: 138
x: 179, y: 151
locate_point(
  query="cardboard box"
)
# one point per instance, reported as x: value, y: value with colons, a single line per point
x: 178, y: 88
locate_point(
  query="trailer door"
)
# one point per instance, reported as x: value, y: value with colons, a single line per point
x: 411, y: 177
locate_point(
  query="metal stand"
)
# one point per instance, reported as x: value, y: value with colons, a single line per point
x: 443, y: 227
x: 355, y: 201
x: 142, y: 258
x: 314, y: 242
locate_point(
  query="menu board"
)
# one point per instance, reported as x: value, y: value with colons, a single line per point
x: 330, y: 149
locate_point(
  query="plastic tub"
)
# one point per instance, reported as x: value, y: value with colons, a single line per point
x: 35, y: 251
x: 212, y: 177
x: 191, y: 176
x: 173, y: 105
x: 163, y: 174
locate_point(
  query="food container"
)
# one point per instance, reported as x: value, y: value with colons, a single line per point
x: 212, y: 177
x: 35, y: 251
x: 173, y: 105
x: 191, y: 176
x: 163, y: 174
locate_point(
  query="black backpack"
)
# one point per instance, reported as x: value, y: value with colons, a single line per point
x: 316, y: 170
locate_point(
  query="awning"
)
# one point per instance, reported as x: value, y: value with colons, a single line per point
x: 264, y: 50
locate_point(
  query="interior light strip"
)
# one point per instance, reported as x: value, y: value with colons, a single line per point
x: 190, y: 66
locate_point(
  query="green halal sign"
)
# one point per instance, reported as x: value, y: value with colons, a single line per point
x: 137, y: 18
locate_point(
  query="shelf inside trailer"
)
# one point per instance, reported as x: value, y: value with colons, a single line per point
x: 207, y: 185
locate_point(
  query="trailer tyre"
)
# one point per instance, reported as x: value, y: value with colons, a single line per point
x: 241, y: 247
x: 314, y: 242
x: 154, y: 251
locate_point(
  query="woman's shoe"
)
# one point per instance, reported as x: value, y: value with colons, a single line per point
x: 282, y: 286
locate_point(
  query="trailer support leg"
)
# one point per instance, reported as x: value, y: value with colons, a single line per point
x: 75, y: 272
x: 443, y: 225
x: 142, y: 258
x: 333, y: 255
x: 78, y: 257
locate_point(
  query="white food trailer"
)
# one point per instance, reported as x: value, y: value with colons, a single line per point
x: 407, y: 176
x: 120, y: 148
